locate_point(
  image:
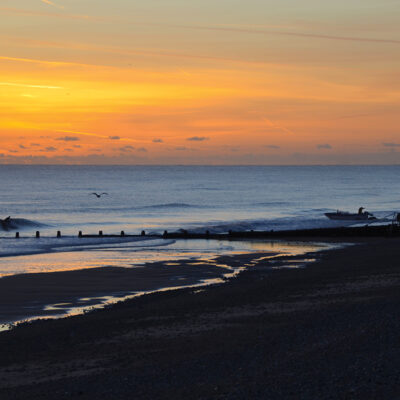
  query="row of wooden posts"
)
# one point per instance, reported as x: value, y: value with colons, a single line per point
x: 182, y: 234
x: 37, y: 234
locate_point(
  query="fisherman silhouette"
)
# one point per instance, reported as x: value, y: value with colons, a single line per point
x: 5, y: 223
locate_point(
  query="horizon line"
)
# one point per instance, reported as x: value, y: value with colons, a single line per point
x: 198, y: 165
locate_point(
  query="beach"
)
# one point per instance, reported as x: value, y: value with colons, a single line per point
x: 64, y: 283
x: 199, y: 200
x: 328, y: 330
x: 53, y: 294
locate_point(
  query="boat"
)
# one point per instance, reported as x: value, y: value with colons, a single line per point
x: 347, y: 216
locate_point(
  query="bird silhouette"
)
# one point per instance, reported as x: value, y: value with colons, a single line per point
x: 99, y: 195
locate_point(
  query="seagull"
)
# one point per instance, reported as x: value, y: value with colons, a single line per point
x: 99, y: 195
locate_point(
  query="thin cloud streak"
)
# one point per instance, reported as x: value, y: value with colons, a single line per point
x: 45, y: 62
x: 121, y: 51
x: 215, y: 28
x: 386, y: 144
x: 280, y: 127
x: 29, y: 86
x: 287, y: 33
x: 83, y: 133
x: 49, y: 14
x: 102, y: 136
x: 50, y: 3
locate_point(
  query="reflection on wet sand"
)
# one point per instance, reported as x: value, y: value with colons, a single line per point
x: 106, y: 277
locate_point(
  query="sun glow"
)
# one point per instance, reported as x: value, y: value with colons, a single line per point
x: 260, y: 95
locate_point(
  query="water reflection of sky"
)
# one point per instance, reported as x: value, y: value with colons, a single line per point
x: 131, y: 254
x: 127, y: 256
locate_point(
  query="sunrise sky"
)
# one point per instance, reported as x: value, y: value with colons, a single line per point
x: 200, y: 82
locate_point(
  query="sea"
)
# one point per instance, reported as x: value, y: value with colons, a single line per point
x: 195, y: 198
x: 155, y: 199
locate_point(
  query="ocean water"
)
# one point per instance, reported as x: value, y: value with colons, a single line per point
x: 196, y: 198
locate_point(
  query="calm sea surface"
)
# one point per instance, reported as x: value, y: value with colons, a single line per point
x: 155, y: 198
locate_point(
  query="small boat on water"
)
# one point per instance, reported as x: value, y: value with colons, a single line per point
x: 346, y: 216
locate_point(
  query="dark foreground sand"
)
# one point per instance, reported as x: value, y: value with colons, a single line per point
x: 328, y: 331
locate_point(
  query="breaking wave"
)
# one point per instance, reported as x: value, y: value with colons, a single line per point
x: 169, y: 206
x: 277, y: 224
x: 11, y: 224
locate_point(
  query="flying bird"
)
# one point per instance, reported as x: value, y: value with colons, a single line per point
x: 99, y: 195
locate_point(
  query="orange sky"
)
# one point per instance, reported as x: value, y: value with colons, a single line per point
x: 178, y: 82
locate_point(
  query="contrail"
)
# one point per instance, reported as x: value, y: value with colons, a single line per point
x: 50, y: 3
x: 280, y: 127
x: 29, y: 86
x: 48, y: 14
x: 102, y: 136
x: 165, y: 54
x: 83, y: 133
x: 286, y: 33
x: 44, y: 62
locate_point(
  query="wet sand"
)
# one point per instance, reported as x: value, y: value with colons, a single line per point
x: 29, y: 295
x: 328, y: 331
x: 73, y: 290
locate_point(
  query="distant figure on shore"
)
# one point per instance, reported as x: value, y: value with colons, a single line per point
x: 5, y: 223
x: 360, y: 210
x: 99, y: 195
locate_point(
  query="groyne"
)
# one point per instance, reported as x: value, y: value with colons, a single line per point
x: 345, y: 232
x: 391, y: 230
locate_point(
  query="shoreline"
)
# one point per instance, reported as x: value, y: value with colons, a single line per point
x: 85, y: 288
x: 62, y: 293
x: 326, y: 331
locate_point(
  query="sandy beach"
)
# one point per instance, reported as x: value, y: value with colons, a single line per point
x: 328, y: 331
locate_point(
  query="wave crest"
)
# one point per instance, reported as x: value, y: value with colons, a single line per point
x: 10, y: 224
x: 168, y: 206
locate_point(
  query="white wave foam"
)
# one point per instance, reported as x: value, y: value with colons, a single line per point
x: 10, y: 224
x: 11, y: 247
x: 277, y: 224
x: 169, y: 206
